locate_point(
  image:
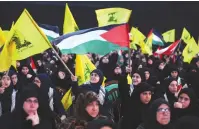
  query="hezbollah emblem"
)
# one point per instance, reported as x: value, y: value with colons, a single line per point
x: 19, y: 40
x: 112, y: 17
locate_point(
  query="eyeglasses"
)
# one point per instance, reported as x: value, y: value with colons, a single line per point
x: 163, y: 110
x: 29, y: 101
x: 185, y: 99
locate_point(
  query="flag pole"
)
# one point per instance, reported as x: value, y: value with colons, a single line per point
x: 62, y: 61
x: 37, y: 27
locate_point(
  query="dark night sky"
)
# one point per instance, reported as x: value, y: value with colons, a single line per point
x: 161, y: 16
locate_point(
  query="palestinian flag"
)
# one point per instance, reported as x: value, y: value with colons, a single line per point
x: 98, y: 40
x: 156, y: 38
x: 51, y: 32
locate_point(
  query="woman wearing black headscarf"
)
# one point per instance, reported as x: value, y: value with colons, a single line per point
x: 86, y: 110
x: 126, y: 90
x: 62, y: 80
x: 6, y: 94
x: 168, y: 90
x: 46, y: 89
x: 26, y: 74
x: 95, y: 85
x: 137, y: 106
x: 29, y: 113
x: 186, y: 105
x: 158, y: 116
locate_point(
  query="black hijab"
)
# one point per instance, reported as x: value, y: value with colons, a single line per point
x: 95, y: 87
x: 151, y: 120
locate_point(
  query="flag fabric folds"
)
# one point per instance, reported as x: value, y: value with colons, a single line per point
x: 2, y: 38
x: 27, y: 37
x: 157, y: 39
x: 185, y: 35
x: 169, y: 36
x: 136, y: 36
x: 51, y: 32
x: 168, y: 50
x: 67, y: 99
x: 110, y: 16
x: 69, y: 22
x: 5, y: 54
x: 83, y: 68
x: 99, y: 40
x: 190, y: 50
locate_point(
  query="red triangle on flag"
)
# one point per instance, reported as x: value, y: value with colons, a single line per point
x: 32, y: 63
x: 118, y: 35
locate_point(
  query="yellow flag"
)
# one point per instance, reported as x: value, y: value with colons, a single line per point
x: 185, y: 35
x: 169, y: 36
x: 2, y: 38
x: 6, y: 33
x: 190, y: 50
x: 83, y: 68
x: 129, y: 79
x: 147, y: 48
x: 6, y: 54
x: 136, y: 36
x: 110, y: 16
x: 69, y: 22
x: 29, y: 39
x: 67, y: 99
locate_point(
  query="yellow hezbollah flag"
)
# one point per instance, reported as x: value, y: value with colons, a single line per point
x: 67, y: 99
x: 169, y: 36
x: 110, y: 16
x: 129, y: 79
x: 190, y: 50
x: 29, y: 39
x: 147, y: 47
x: 6, y: 54
x: 2, y: 38
x: 6, y: 33
x: 185, y: 35
x: 136, y: 36
x: 69, y: 22
x: 83, y: 68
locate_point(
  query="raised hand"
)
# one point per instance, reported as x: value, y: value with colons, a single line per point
x: 34, y: 118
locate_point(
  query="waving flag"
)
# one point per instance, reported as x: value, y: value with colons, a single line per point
x: 190, y: 50
x: 168, y: 50
x: 169, y: 36
x: 51, y: 32
x: 100, y: 40
x: 69, y: 21
x: 185, y: 35
x: 111, y: 16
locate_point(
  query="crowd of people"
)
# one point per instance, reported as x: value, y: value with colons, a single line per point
x: 164, y: 93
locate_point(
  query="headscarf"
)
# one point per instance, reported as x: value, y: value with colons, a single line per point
x: 95, y: 87
x: 151, y: 120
